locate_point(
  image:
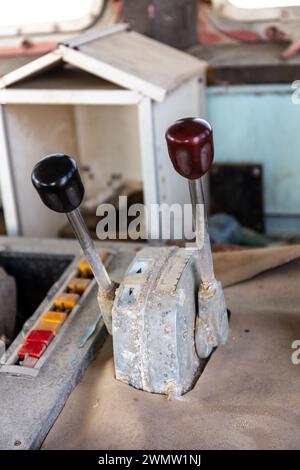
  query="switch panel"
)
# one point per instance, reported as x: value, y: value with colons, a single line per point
x: 52, y: 319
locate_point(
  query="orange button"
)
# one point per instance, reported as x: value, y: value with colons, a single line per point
x: 78, y: 285
x: 54, y: 317
x: 66, y: 301
x: 54, y: 327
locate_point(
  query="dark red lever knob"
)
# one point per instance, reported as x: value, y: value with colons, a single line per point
x: 190, y: 146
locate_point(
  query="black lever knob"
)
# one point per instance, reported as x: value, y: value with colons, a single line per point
x: 57, y: 180
x: 190, y: 146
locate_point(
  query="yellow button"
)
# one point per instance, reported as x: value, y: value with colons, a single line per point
x: 84, y: 267
x: 66, y: 301
x: 54, y: 317
x: 54, y: 327
x: 78, y: 284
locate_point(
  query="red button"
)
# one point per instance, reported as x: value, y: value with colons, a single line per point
x: 33, y: 349
x: 40, y: 336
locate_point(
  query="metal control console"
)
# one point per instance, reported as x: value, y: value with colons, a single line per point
x: 38, y: 372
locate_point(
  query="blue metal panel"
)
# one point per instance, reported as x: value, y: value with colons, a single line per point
x: 260, y: 124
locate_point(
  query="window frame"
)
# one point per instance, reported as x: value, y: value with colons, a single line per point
x: 45, y: 28
x: 251, y: 15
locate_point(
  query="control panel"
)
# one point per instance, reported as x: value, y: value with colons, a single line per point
x: 33, y: 346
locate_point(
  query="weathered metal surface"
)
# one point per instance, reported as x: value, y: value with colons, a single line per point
x: 161, y: 333
x: 212, y: 321
x: 154, y: 321
x: 105, y: 302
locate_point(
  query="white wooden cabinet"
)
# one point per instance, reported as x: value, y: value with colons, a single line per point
x: 105, y: 99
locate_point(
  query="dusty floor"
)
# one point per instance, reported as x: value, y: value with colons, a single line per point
x: 247, y: 398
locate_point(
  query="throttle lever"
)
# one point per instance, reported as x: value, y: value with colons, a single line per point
x: 191, y: 150
x: 58, y: 183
